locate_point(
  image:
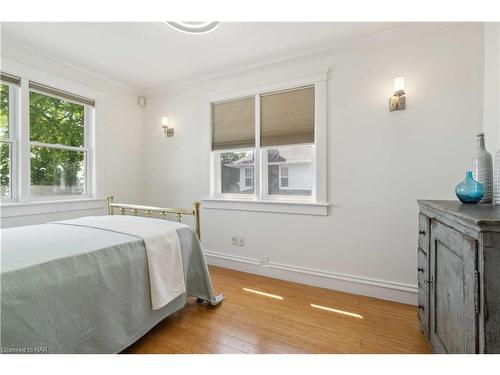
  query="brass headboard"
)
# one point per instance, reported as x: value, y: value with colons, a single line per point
x: 147, y: 210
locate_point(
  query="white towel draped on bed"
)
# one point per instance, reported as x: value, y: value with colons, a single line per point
x: 166, y: 275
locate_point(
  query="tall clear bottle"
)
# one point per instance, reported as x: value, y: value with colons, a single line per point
x: 496, y: 182
x: 482, y: 169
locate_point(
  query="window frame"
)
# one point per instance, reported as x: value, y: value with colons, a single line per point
x: 21, y: 170
x: 12, y: 140
x: 315, y: 204
x: 87, y: 126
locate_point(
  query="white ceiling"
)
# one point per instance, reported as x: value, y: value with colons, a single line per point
x: 150, y: 55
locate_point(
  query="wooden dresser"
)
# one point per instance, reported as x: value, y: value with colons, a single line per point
x: 458, y: 276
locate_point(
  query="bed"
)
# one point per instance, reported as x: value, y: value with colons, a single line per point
x: 68, y: 287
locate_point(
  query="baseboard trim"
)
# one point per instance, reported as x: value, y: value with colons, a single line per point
x: 388, y: 290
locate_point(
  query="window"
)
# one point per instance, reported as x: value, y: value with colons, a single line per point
x: 234, y: 128
x: 248, y: 177
x: 283, y: 177
x: 57, y: 146
x: 53, y: 148
x: 290, y: 171
x: 264, y: 147
x: 287, y: 117
x: 233, y: 176
x: 6, y: 145
x: 7, y: 136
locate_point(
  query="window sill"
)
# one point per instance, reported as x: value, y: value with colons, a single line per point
x: 13, y: 209
x: 288, y: 207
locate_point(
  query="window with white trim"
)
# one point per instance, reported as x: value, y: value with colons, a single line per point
x: 8, y: 98
x: 50, y: 156
x: 283, y: 176
x: 264, y: 146
x: 249, y: 177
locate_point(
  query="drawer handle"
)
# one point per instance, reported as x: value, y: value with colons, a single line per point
x: 428, y: 281
x: 421, y: 307
x: 420, y: 269
x: 422, y: 232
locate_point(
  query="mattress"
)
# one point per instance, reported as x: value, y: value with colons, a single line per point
x: 70, y: 289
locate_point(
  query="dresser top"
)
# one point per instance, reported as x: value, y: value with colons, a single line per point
x: 476, y: 214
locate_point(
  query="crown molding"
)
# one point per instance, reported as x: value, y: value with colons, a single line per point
x: 29, y: 72
x: 19, y: 46
x: 397, y: 32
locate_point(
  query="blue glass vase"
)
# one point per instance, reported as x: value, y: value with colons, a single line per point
x: 469, y: 191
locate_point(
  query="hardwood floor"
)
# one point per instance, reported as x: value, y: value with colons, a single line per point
x: 247, y: 322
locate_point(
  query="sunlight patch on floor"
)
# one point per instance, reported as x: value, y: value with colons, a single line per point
x: 337, y: 311
x: 263, y: 293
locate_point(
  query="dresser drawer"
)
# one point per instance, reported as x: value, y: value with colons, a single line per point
x: 423, y: 233
x: 422, y: 269
x: 423, y: 309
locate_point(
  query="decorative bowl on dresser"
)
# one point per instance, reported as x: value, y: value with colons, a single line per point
x: 458, y: 276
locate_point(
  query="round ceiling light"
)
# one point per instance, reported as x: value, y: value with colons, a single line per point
x: 194, y: 27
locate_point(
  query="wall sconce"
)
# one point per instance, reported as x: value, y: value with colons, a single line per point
x: 397, y: 102
x: 169, y: 132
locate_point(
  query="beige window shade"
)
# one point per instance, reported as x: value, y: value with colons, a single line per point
x: 9, y: 78
x: 233, y: 124
x: 287, y: 117
x: 61, y: 94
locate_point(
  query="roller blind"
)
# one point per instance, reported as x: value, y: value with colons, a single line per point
x: 233, y: 124
x: 62, y: 94
x: 287, y: 117
x: 9, y: 78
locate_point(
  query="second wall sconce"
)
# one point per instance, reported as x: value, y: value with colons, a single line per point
x: 397, y: 101
x: 169, y: 132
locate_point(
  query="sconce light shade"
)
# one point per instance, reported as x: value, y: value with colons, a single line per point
x: 397, y: 102
x: 169, y: 132
x: 399, y: 84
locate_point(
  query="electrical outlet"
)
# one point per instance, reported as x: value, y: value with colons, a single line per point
x: 234, y: 240
x: 241, y: 241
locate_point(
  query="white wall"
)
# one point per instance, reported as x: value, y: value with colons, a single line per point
x: 119, y: 137
x: 379, y: 162
x: 491, y: 114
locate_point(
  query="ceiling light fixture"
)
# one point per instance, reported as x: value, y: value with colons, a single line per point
x: 194, y: 27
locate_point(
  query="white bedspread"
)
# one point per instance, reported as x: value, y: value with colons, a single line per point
x: 163, y: 252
